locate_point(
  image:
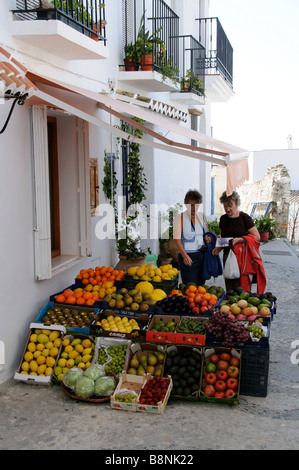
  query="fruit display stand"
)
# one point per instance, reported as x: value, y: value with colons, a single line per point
x: 111, y: 325
x: 220, y: 379
x: 40, y: 358
x: 146, y: 358
x: 162, y: 329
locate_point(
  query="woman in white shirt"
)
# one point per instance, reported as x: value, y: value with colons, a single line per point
x: 189, y: 231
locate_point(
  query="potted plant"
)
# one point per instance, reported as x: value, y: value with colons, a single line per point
x: 266, y: 227
x: 168, y: 70
x: 132, y: 57
x: 191, y: 82
x: 148, y: 45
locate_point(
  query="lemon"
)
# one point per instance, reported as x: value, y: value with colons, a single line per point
x: 46, y: 332
x: 164, y: 268
x: 28, y: 356
x: 81, y: 365
x: 140, y: 271
x: 50, y: 361
x: 79, y: 348
x: 145, y: 286
x: 88, y: 350
x: 53, y: 335
x: 75, y: 342
x: 41, y: 360
x: 87, y: 357
x: 66, y: 342
x: 57, y: 342
x: 40, y: 347
x: 62, y: 362
x: 33, y: 373
x: 86, y: 343
x: 41, y: 369
x: 146, y: 278
x: 158, y: 272
x: 132, y: 270
x: 73, y: 354
x: 70, y: 363
x: 159, y: 294
x: 36, y: 354
x: 49, y: 345
x: 45, y: 352
x: 53, y: 352
x: 48, y: 371
x: 42, y: 338
x: 78, y: 359
x: 31, y: 347
x: 157, y: 279
x: 25, y: 366
x: 33, y: 365
x: 64, y: 355
x: 68, y: 349
x: 33, y: 338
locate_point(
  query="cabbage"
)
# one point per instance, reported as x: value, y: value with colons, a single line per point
x: 71, y: 376
x: 84, y: 387
x: 94, y: 372
x: 104, y: 386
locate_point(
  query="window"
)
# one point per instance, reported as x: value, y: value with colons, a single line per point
x: 61, y: 189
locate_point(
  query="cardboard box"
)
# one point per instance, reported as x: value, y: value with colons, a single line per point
x: 105, y: 342
x: 191, y: 338
x: 142, y: 348
x: 39, y: 379
x: 158, y: 408
x: 206, y: 359
x: 161, y: 336
x: 184, y: 364
x: 131, y: 383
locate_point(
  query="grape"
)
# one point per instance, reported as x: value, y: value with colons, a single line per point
x: 231, y: 330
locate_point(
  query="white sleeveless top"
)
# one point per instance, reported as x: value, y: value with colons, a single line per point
x: 192, y: 240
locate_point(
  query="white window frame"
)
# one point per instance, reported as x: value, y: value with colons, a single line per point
x: 79, y: 202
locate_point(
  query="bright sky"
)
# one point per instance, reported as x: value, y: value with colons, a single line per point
x: 265, y: 108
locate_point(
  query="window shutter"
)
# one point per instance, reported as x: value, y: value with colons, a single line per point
x: 42, y: 230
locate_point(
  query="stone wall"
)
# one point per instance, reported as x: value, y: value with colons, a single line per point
x: 274, y: 186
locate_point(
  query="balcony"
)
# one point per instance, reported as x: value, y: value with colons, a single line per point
x: 151, y: 46
x: 71, y: 29
x: 218, y: 61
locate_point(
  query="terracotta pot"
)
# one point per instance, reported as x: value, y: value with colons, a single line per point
x: 94, y: 35
x: 165, y: 261
x: 124, y: 264
x: 264, y: 237
x: 130, y: 66
x: 147, y: 62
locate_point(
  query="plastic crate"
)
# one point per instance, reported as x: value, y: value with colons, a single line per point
x: 166, y: 285
x: 255, y: 371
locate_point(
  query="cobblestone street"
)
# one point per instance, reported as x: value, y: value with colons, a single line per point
x: 40, y: 418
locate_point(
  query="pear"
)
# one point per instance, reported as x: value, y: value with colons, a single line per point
x: 146, y: 296
x: 123, y: 291
x: 150, y: 370
x: 134, y: 361
x: 138, y: 298
x: 128, y: 299
x: 132, y: 371
x: 160, y: 357
x: 112, y: 303
x: 158, y: 370
x: 144, y: 307
x: 152, y: 359
x: 143, y: 359
x: 133, y: 292
x: 120, y: 303
x: 134, y: 306
x: 107, y: 298
x: 140, y: 370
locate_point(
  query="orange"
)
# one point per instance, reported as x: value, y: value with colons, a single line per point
x: 71, y: 299
x: 89, y: 302
x: 201, y: 290
x: 78, y: 294
x: 60, y: 298
x: 85, y: 275
x: 67, y: 293
x: 206, y: 296
x: 103, y: 270
x: 110, y: 269
x: 85, y: 281
x: 87, y: 295
x: 80, y: 301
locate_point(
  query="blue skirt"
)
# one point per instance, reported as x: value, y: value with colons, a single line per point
x: 192, y: 273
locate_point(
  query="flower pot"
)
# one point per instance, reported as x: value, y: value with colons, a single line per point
x: 94, y: 35
x: 264, y: 237
x: 130, y: 66
x: 125, y: 263
x: 165, y: 261
x: 147, y: 62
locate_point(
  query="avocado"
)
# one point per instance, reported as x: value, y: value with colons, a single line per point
x: 182, y: 370
x: 187, y: 391
x: 254, y: 301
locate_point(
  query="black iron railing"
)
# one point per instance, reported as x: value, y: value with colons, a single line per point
x: 219, y: 52
x: 150, y: 36
x: 86, y: 16
x: 192, y: 65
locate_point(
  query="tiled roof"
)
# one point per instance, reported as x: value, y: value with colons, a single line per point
x: 13, y: 80
x: 294, y: 197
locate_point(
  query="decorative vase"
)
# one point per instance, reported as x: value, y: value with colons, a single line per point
x: 130, y: 66
x: 165, y: 261
x: 147, y: 62
x: 264, y: 237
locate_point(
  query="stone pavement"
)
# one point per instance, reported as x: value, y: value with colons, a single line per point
x: 43, y: 418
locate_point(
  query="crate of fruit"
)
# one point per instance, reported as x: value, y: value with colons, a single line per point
x: 127, y: 392
x: 146, y: 358
x: 74, y: 318
x: 183, y: 363
x: 77, y: 296
x: 220, y: 377
x: 112, y: 354
x: 192, y: 331
x: 167, y: 285
x: 162, y: 328
x: 120, y: 326
x: 77, y: 351
x: 154, y: 394
x: 41, y: 354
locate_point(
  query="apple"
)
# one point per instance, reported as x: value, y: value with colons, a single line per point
x: 247, y: 311
x: 235, y: 309
x: 242, y: 303
x: 225, y: 308
x: 265, y: 312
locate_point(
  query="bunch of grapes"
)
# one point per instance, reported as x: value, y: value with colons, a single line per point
x: 256, y: 331
x: 233, y: 332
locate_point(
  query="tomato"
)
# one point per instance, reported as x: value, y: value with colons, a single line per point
x: 204, y: 303
x: 209, y: 390
x: 211, y: 367
x: 222, y: 365
x: 222, y: 375
x: 220, y: 385
x: 203, y: 309
x: 225, y: 357
x: 232, y: 383
x: 211, y: 378
x: 233, y: 371
x: 195, y: 310
x: 230, y: 393
x: 219, y: 394
x: 235, y: 361
x: 191, y: 305
x: 214, y: 358
x: 197, y: 299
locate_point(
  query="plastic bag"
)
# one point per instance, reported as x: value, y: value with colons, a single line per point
x: 231, y: 268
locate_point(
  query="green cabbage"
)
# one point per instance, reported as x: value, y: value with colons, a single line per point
x: 94, y: 372
x: 84, y: 387
x: 104, y: 386
x: 71, y: 376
